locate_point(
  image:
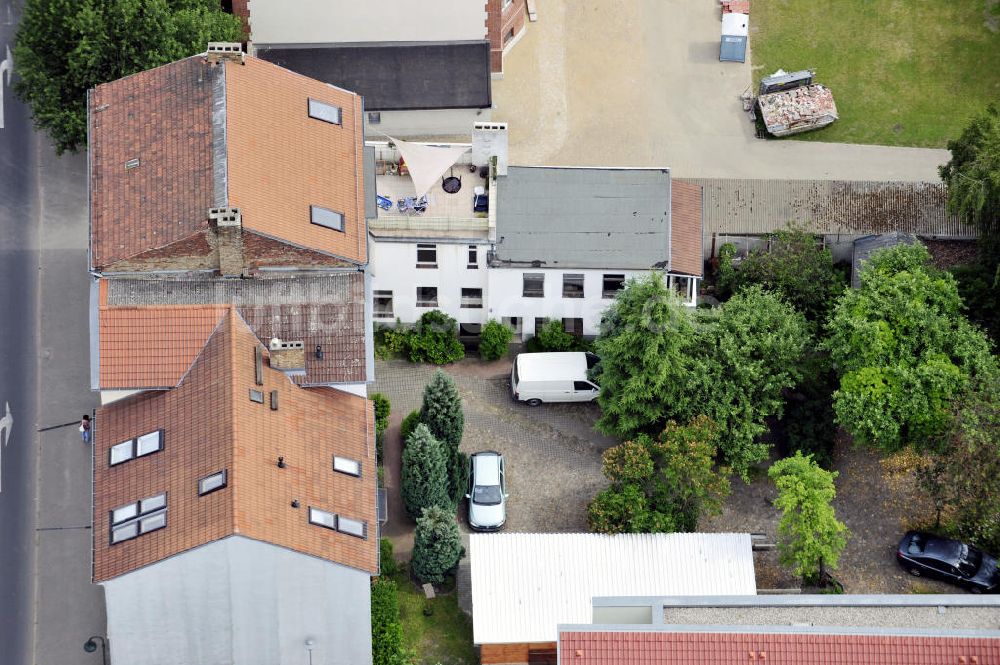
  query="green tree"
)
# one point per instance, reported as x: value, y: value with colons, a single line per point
x: 387, y: 629
x: 424, y: 478
x: 794, y: 265
x: 646, y: 369
x: 437, y: 545
x: 553, y: 337
x: 434, y: 340
x: 409, y: 424
x: 903, y: 351
x: 494, y: 340
x: 810, y: 538
x: 65, y: 47
x: 749, y: 352
x: 383, y: 409
x: 387, y: 560
x: 972, y: 175
x: 441, y: 411
x: 660, y: 485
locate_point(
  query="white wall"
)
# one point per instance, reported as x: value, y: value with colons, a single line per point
x: 393, y: 267
x: 337, y: 21
x: 431, y: 123
x: 506, y: 286
x: 240, y: 602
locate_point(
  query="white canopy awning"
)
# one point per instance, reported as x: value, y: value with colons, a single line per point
x: 427, y: 163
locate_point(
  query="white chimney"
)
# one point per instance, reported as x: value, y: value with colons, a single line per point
x: 219, y: 51
x: 489, y: 139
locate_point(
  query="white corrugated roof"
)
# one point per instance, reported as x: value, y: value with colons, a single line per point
x: 525, y: 584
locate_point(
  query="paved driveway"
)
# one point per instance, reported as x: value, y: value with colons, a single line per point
x: 639, y: 83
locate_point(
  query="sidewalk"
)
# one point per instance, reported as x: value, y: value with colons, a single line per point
x: 69, y: 609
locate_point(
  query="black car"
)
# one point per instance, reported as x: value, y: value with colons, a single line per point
x: 948, y: 560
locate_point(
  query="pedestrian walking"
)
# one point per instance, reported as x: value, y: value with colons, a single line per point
x: 85, y: 428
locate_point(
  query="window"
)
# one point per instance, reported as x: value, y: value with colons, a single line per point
x: 534, y: 285
x: 506, y: 4
x: 573, y: 326
x: 325, y: 112
x: 572, y: 285
x: 331, y: 219
x: 427, y: 296
x: 539, y: 323
x: 137, y: 447
x: 347, y: 465
x: 132, y: 164
x: 509, y: 36
x: 135, y: 519
x: 612, y: 285
x: 216, y: 481
x: 427, y: 256
x: 374, y: 118
x: 322, y: 518
x: 583, y: 385
x: 473, y: 257
x: 351, y: 527
x: 256, y: 396
x: 382, y: 303
x: 472, y: 298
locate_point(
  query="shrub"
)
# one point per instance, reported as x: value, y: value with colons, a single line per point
x: 435, y: 340
x: 494, y: 340
x: 391, y: 341
x: 725, y: 274
x: 437, y: 545
x: 387, y: 629
x: 552, y: 337
x: 409, y: 424
x: 386, y: 558
x: 382, y: 411
x: 424, y: 481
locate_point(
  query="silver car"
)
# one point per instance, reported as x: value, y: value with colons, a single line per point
x: 487, y: 491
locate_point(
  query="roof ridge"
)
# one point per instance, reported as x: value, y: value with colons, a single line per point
x: 201, y: 351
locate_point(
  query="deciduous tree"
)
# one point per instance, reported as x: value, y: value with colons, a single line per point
x: 810, y: 538
x: 65, y: 47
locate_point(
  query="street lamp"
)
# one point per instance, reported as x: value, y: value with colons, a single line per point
x: 90, y: 646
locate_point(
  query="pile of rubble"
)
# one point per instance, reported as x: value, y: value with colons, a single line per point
x: 797, y: 110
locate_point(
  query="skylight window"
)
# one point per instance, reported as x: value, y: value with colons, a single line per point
x: 322, y: 518
x: 145, y: 444
x: 351, y: 527
x: 134, y: 519
x: 211, y: 483
x: 325, y: 112
x: 331, y: 219
x: 347, y: 465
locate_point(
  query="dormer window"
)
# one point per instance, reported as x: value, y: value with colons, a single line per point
x: 134, y: 519
x: 145, y: 444
x: 323, y: 111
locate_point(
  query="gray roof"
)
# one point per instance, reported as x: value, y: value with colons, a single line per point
x: 865, y: 247
x: 584, y: 217
x: 398, y: 76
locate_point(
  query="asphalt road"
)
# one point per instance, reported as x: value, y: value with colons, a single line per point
x: 19, y: 269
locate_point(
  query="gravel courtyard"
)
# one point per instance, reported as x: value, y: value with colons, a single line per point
x: 553, y: 460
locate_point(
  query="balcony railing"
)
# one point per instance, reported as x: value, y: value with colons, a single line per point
x: 420, y: 225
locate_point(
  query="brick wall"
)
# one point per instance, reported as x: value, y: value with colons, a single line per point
x: 501, y: 22
x: 262, y: 251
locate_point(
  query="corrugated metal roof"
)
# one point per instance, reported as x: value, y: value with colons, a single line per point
x: 584, y: 217
x: 868, y: 245
x: 525, y: 584
x: 857, y: 207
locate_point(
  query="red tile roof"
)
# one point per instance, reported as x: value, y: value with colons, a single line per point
x: 168, y: 144
x: 686, y: 254
x: 209, y: 424
x: 707, y: 648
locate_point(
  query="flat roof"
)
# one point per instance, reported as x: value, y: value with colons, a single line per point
x: 603, y: 218
x: 398, y: 76
x: 525, y: 584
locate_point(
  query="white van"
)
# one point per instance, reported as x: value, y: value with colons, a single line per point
x: 553, y: 377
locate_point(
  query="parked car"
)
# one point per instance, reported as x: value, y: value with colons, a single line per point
x: 487, y: 491
x: 553, y: 377
x: 949, y: 560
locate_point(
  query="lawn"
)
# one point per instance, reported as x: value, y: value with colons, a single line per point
x: 443, y: 637
x: 903, y: 72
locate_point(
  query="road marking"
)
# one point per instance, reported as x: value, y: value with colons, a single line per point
x: 6, y: 66
x: 6, y: 425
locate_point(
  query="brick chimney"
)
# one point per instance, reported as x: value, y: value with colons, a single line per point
x: 289, y: 357
x: 228, y: 224
x: 219, y: 51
